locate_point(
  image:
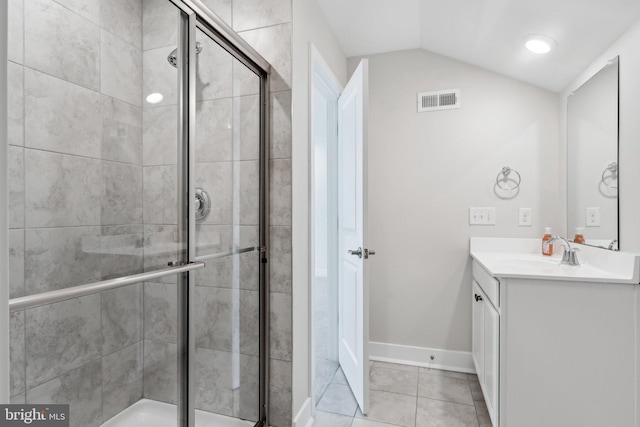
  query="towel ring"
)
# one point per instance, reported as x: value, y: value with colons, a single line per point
x: 505, y: 172
x: 613, y: 169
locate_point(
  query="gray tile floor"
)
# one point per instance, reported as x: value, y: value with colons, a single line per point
x: 409, y: 396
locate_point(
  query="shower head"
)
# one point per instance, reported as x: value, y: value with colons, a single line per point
x: 173, y: 56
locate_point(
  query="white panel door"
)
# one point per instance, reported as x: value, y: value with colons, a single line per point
x: 353, y: 324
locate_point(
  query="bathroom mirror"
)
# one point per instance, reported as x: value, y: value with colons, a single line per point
x: 592, y: 159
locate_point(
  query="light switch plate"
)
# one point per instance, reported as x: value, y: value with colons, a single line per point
x: 482, y: 216
x: 524, y: 217
x: 593, y: 217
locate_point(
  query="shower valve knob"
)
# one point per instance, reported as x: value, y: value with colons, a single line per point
x: 202, y: 204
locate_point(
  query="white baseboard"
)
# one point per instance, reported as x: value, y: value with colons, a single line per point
x: 459, y: 361
x: 304, y: 418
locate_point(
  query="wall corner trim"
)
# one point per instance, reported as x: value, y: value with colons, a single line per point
x: 450, y: 360
x: 304, y: 417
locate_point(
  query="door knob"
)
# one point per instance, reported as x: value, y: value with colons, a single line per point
x: 368, y: 253
x: 357, y: 252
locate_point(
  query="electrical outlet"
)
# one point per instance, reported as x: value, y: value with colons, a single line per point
x: 482, y: 216
x: 524, y: 217
x: 593, y: 217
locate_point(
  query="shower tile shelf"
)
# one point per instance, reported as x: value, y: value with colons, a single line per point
x: 561, y: 336
x: 130, y: 245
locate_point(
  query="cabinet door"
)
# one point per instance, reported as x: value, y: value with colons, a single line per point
x: 478, y: 330
x: 491, y: 359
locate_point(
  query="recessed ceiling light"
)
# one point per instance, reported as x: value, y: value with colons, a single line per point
x: 155, y: 98
x: 539, y: 44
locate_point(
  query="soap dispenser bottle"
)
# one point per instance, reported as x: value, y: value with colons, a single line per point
x: 547, y: 248
x: 579, y: 237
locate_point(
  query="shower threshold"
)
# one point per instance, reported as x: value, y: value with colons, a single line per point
x: 151, y: 413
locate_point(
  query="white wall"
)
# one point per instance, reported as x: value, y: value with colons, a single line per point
x: 309, y: 26
x: 427, y: 169
x: 628, y: 48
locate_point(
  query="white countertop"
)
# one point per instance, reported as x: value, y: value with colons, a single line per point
x: 522, y: 258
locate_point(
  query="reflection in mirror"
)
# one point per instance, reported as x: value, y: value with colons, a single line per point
x: 592, y: 159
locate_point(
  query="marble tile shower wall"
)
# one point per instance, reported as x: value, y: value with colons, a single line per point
x: 75, y: 170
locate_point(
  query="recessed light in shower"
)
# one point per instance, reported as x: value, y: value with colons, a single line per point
x: 155, y: 98
x: 539, y: 44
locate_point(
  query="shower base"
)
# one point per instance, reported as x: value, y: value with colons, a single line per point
x: 151, y: 413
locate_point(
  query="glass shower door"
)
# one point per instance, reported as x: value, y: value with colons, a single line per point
x: 227, y: 179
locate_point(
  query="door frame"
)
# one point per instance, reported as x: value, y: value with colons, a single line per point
x: 320, y: 74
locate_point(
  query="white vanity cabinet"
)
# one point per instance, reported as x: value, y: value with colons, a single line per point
x: 477, y: 314
x: 556, y: 353
x: 486, y: 349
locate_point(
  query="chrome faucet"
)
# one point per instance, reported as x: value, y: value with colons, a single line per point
x: 569, y: 256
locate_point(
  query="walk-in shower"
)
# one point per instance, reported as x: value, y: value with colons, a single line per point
x: 138, y: 237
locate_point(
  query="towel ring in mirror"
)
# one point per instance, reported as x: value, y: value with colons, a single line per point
x: 612, y: 168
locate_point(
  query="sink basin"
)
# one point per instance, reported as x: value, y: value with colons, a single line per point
x: 530, y: 263
x: 521, y: 258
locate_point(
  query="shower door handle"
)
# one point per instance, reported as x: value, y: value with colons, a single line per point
x: 357, y: 252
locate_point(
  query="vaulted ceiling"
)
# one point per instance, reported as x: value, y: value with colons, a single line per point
x: 487, y: 33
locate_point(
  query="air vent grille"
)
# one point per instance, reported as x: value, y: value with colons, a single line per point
x: 440, y: 100
x: 429, y: 101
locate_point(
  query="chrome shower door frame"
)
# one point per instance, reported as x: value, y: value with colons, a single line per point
x: 199, y: 16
